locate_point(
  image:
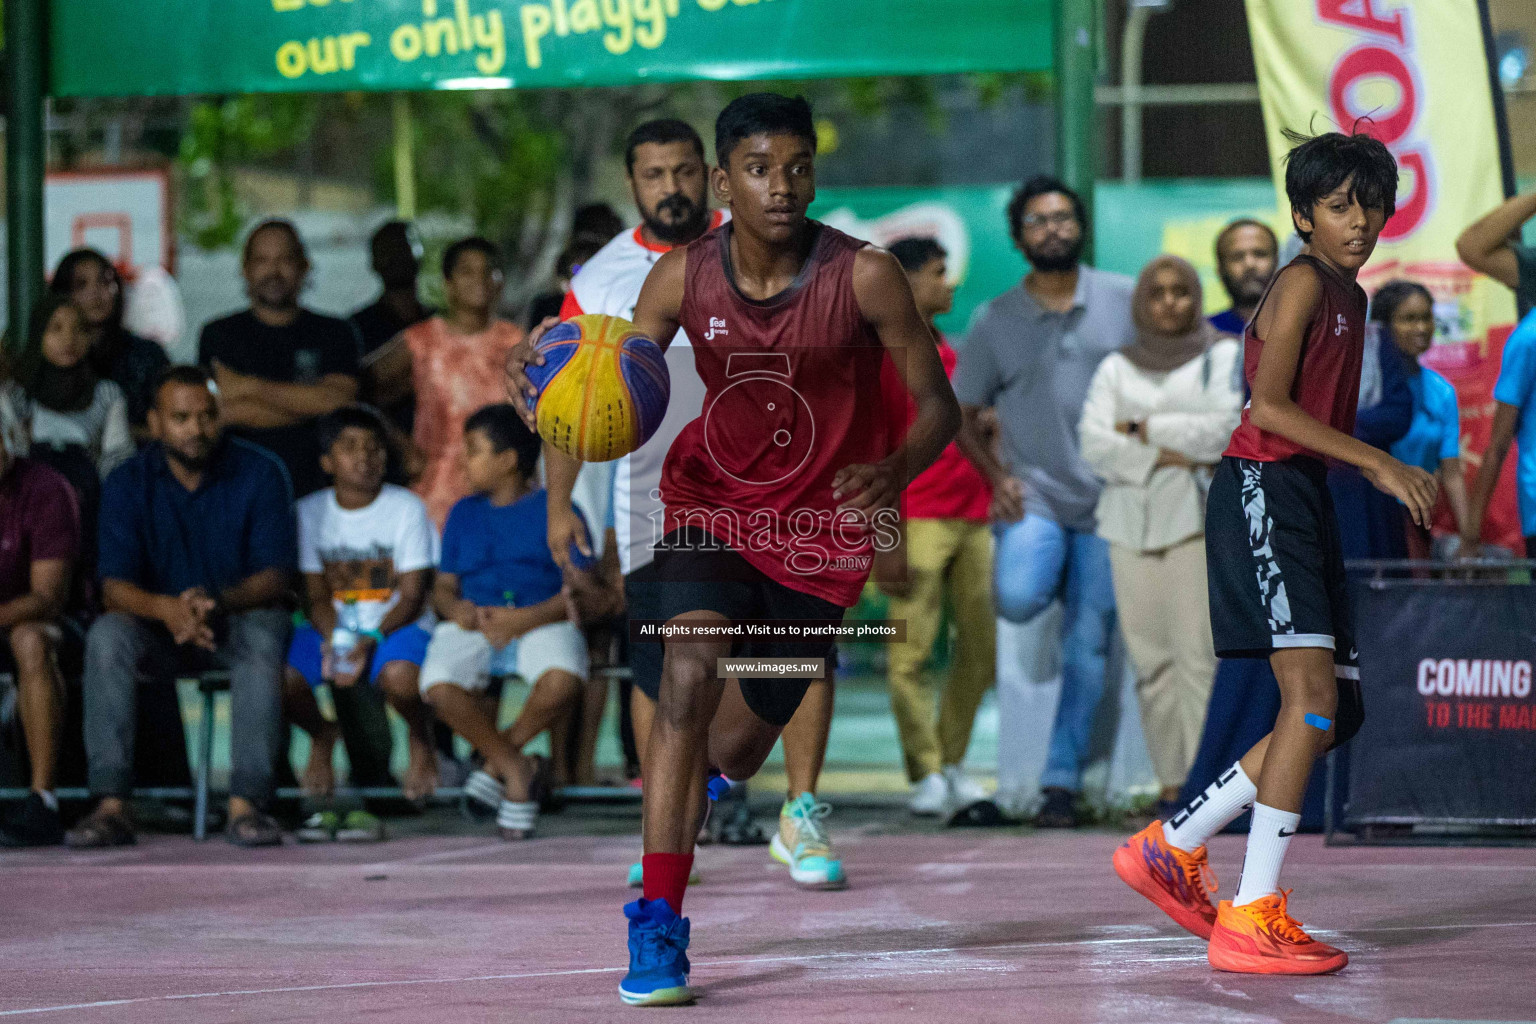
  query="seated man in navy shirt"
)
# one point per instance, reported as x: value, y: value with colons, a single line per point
x: 198, y: 552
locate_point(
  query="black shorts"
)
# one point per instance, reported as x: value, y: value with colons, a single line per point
x: 690, y: 575
x: 640, y: 598
x: 1275, y: 563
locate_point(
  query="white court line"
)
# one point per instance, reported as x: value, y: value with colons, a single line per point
x: 1001, y: 865
x: 867, y: 955
x: 428, y: 858
x: 432, y: 862
x: 400, y: 868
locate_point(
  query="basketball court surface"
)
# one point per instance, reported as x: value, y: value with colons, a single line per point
x: 1004, y: 925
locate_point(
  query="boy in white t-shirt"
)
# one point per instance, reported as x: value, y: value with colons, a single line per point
x: 367, y: 550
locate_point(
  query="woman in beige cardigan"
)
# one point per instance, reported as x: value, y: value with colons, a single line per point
x: 1159, y: 414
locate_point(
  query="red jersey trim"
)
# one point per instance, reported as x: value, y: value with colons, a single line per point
x: 570, y: 306
x: 716, y: 218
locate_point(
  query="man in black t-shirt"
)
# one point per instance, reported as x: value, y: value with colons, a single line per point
x: 395, y: 255
x: 396, y: 259
x: 280, y: 367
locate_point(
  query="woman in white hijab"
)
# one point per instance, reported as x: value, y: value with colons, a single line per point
x: 1158, y: 416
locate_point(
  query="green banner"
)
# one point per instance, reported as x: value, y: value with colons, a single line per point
x: 174, y: 47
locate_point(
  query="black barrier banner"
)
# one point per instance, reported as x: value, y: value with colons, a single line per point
x: 1450, y: 719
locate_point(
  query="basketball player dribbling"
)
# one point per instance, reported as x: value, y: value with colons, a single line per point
x: 773, y: 496
x: 669, y: 180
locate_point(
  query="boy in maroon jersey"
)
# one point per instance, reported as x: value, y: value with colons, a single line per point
x: 1277, y: 584
x: 774, y: 495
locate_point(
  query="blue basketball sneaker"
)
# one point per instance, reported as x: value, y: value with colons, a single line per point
x: 658, y: 956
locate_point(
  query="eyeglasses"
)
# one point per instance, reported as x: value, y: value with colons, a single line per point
x: 1059, y: 219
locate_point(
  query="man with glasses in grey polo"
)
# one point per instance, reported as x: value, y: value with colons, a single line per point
x: 1030, y: 354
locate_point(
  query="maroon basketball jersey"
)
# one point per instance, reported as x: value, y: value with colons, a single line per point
x: 1327, y: 385
x: 792, y: 396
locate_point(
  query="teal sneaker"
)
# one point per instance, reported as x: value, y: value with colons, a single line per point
x: 658, y: 956
x: 802, y: 844
x: 636, y: 878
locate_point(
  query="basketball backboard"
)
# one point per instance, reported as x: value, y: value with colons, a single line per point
x: 125, y: 214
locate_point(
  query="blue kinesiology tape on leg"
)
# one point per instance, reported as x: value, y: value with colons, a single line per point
x: 1317, y: 721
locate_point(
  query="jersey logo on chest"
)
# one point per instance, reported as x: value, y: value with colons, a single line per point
x: 1341, y: 327
x: 716, y: 328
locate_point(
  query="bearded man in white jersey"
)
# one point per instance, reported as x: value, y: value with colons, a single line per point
x: 669, y: 179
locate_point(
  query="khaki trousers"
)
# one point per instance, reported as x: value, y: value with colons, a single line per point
x: 1167, y: 624
x: 944, y: 557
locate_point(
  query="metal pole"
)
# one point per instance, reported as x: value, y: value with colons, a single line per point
x: 1076, y: 120
x: 26, y: 46
x: 1132, y: 96
x: 1500, y: 112
x: 1180, y: 95
x: 405, y: 158
x: 1130, y: 84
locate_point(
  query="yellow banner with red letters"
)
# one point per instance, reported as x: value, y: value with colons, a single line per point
x: 1418, y: 71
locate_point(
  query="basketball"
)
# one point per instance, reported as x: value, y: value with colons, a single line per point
x: 603, y: 388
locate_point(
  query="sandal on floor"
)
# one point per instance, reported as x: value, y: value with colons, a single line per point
x: 253, y: 830
x: 541, y: 787
x: 516, y: 819
x: 100, y: 831
x: 484, y: 789
x: 976, y: 814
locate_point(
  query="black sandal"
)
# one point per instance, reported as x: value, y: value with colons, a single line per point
x: 541, y: 788
x: 100, y: 831
x: 977, y: 814
x: 253, y: 830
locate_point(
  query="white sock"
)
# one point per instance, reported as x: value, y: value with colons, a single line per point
x: 50, y: 801
x: 1210, y: 812
x: 1268, y: 838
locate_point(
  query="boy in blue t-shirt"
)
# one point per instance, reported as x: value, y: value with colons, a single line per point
x: 499, y: 595
x: 1514, y: 418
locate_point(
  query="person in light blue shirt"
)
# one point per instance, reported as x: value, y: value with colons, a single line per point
x: 1514, y: 418
x: 1406, y: 312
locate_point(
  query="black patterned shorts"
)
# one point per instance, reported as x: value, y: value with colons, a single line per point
x: 1275, y: 563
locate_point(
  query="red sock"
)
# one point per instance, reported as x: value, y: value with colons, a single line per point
x: 666, y: 877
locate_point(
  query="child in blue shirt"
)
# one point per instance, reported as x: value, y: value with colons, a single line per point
x: 503, y: 610
x: 1406, y: 311
x: 1514, y: 417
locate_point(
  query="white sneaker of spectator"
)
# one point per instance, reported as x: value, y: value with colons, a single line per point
x: 1014, y: 803
x: 929, y: 795
x: 963, y: 789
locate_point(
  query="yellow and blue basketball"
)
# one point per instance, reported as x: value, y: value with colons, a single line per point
x: 603, y: 388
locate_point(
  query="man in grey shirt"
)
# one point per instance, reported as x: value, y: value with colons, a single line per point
x: 1030, y: 353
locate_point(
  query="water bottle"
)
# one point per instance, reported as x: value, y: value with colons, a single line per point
x: 345, y: 636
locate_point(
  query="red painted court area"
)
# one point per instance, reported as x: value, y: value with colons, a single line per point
x: 937, y: 926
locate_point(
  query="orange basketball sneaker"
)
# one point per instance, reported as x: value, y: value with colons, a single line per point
x: 1173, y: 880
x: 1261, y: 938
